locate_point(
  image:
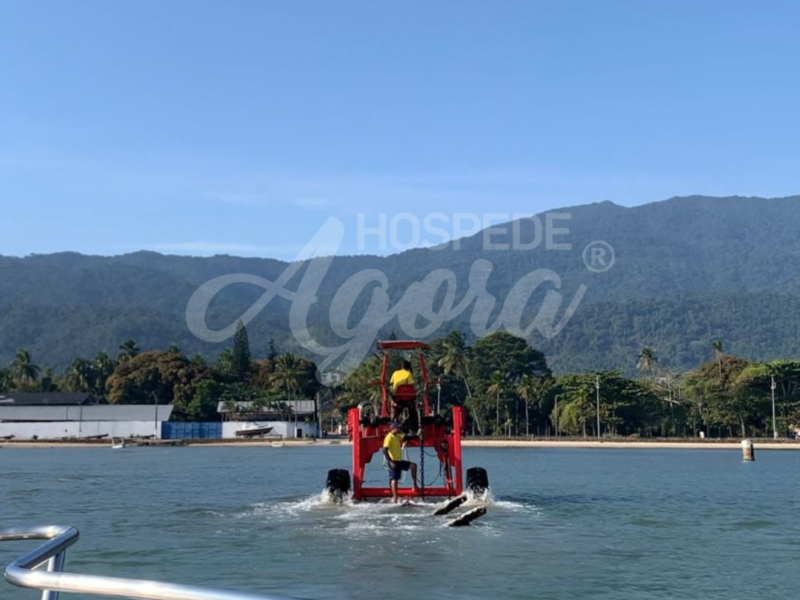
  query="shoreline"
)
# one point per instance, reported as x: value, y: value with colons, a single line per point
x: 707, y: 445
x: 760, y: 444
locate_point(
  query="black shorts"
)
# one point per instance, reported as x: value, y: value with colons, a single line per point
x: 399, y: 467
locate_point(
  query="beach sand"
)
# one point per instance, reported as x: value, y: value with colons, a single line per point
x: 709, y: 444
x: 760, y: 444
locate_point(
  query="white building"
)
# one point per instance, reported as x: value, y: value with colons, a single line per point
x: 55, y: 416
x: 332, y: 377
x: 289, y: 419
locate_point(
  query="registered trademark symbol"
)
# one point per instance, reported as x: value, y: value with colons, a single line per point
x: 599, y: 256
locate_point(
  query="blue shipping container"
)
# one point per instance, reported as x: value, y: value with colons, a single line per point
x: 191, y: 431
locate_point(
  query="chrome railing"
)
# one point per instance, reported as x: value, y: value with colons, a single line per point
x: 43, y: 569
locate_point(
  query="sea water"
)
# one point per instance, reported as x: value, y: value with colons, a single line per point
x: 561, y: 524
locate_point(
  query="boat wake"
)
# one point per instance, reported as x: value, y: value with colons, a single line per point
x: 328, y: 505
x: 326, y: 510
x: 322, y: 512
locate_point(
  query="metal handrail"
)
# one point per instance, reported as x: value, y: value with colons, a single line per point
x: 23, y: 572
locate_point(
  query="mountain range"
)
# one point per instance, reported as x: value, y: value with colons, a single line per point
x: 687, y: 271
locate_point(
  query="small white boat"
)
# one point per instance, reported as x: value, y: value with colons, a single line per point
x: 277, y: 444
x: 254, y: 430
x: 118, y: 443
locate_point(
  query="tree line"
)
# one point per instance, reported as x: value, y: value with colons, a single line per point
x: 509, y: 390
x: 503, y: 382
x: 191, y: 384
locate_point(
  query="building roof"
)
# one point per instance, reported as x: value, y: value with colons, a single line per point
x: 303, y: 407
x: 48, y: 399
x: 86, y: 412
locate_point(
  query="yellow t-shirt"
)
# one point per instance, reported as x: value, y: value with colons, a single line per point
x: 401, y: 377
x: 394, y: 443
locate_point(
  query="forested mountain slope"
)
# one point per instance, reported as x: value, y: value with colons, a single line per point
x: 687, y: 271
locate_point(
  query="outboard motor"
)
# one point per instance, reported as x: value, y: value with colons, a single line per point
x: 338, y: 484
x: 477, y: 480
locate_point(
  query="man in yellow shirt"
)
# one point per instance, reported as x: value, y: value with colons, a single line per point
x: 393, y: 450
x: 402, y: 376
x: 402, y: 407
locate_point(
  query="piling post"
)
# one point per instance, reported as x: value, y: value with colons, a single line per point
x: 748, y: 451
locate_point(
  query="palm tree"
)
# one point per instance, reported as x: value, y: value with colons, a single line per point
x: 48, y: 381
x: 6, y: 381
x: 497, y: 384
x: 716, y: 346
x: 532, y: 389
x: 287, y: 373
x: 528, y: 390
x: 359, y: 384
x: 287, y: 376
x: 102, y: 367
x: 127, y: 350
x: 231, y: 409
x: 23, y: 370
x: 455, y: 358
x: 668, y: 386
x: 647, y: 359
x: 80, y: 375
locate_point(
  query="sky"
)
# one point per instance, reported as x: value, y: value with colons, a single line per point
x: 198, y: 127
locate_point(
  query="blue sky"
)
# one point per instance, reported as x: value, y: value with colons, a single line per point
x: 239, y: 127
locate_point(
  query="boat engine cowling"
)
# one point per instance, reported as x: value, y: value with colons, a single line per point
x: 338, y: 484
x: 477, y: 480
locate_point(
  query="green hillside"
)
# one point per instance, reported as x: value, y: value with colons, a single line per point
x: 688, y: 270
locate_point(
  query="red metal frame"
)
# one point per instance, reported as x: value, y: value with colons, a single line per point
x: 368, y: 438
x: 402, y: 345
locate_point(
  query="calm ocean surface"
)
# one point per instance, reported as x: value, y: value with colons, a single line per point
x: 564, y: 523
